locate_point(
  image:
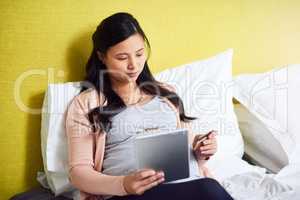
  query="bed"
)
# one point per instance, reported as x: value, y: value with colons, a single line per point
x: 257, y: 160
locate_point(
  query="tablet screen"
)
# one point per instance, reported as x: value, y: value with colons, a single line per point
x: 166, y: 151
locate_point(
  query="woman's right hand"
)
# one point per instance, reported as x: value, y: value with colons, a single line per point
x: 138, y: 182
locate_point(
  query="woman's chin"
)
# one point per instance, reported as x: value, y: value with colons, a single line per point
x: 134, y: 79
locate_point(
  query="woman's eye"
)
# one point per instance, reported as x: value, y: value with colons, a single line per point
x: 139, y: 55
x: 122, y: 58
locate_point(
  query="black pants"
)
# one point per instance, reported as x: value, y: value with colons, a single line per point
x: 200, y: 189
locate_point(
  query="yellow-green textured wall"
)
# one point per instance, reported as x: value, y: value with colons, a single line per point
x: 54, y: 37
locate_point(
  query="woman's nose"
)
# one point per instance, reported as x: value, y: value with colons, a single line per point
x: 132, y: 64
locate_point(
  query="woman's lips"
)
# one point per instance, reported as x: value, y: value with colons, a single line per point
x: 131, y: 75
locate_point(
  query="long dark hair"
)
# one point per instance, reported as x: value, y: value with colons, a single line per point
x: 110, y: 32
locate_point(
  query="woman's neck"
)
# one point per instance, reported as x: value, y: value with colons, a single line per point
x: 129, y: 92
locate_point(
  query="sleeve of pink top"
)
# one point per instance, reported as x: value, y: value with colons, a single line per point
x: 82, y: 174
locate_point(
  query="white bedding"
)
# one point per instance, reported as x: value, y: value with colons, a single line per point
x: 247, y: 182
x: 273, y: 98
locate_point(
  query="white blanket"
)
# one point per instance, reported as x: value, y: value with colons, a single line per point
x: 247, y: 182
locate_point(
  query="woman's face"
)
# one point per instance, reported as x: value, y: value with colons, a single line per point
x: 125, y: 60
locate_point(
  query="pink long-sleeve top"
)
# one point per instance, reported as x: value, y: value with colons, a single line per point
x: 86, y: 149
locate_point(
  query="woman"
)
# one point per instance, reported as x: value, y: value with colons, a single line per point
x: 119, y: 99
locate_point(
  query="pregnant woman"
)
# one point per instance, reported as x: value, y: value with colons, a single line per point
x: 120, y: 99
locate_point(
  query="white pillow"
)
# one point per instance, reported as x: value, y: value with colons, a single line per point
x: 205, y: 88
x: 259, y: 142
x: 273, y: 97
x: 53, y: 140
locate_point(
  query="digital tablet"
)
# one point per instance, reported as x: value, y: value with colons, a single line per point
x: 166, y: 151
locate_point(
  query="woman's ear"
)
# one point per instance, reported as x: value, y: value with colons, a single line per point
x: 100, y: 56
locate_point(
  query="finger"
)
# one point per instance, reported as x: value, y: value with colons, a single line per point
x: 205, y: 143
x: 212, y: 134
x: 145, y: 173
x: 209, y: 141
x: 151, y: 185
x: 151, y: 179
x: 195, y: 140
x: 197, y: 145
x: 204, y: 139
x: 207, y: 147
x: 208, y: 153
x: 199, y: 137
x: 155, y: 177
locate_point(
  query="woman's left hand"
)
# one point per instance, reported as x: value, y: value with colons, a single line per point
x: 205, y: 148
